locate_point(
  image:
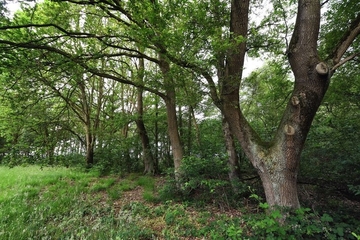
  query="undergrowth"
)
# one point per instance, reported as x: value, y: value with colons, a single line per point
x: 60, y: 203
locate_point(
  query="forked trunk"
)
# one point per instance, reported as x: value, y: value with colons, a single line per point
x: 277, y: 162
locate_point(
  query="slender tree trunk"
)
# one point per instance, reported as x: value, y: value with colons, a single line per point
x: 189, y: 134
x: 126, y: 153
x: 233, y: 160
x: 99, y: 107
x: 176, y: 146
x: 180, y: 121
x: 89, y: 155
x: 173, y: 130
x: 192, y: 118
x: 49, y: 145
x: 156, y: 130
x: 149, y: 164
x: 89, y: 135
x: 89, y: 141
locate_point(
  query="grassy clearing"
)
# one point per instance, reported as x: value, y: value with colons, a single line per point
x: 62, y: 203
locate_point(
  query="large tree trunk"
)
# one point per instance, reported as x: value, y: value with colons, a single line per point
x: 277, y: 162
x: 311, y: 82
x: 278, y: 168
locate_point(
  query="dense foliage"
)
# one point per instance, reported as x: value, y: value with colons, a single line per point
x: 138, y: 86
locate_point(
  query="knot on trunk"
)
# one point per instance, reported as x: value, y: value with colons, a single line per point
x: 295, y: 101
x: 289, y: 130
x: 322, y: 69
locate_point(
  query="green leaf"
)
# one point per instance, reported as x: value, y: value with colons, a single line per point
x: 276, y: 214
x: 264, y: 205
x: 340, y: 231
x: 326, y: 218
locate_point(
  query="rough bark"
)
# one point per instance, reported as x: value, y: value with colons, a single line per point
x: 278, y: 166
x: 176, y: 147
x: 277, y: 162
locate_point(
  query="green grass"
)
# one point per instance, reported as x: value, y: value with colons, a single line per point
x: 65, y: 203
x: 148, y: 183
x: 126, y: 185
x: 103, y: 184
x: 35, y: 201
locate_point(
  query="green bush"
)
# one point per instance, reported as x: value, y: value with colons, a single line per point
x: 278, y: 224
x: 354, y: 189
x: 202, y: 180
x: 113, y: 160
x: 207, y: 175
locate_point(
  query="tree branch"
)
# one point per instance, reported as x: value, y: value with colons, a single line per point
x: 325, y: 2
x: 80, y: 62
x: 345, y: 42
x: 304, y: 38
x: 345, y: 60
x: 68, y: 33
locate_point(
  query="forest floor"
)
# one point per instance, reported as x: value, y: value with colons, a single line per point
x: 60, y: 203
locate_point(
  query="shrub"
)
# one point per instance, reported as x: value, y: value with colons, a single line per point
x: 202, y: 179
x: 113, y: 160
x: 299, y: 224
